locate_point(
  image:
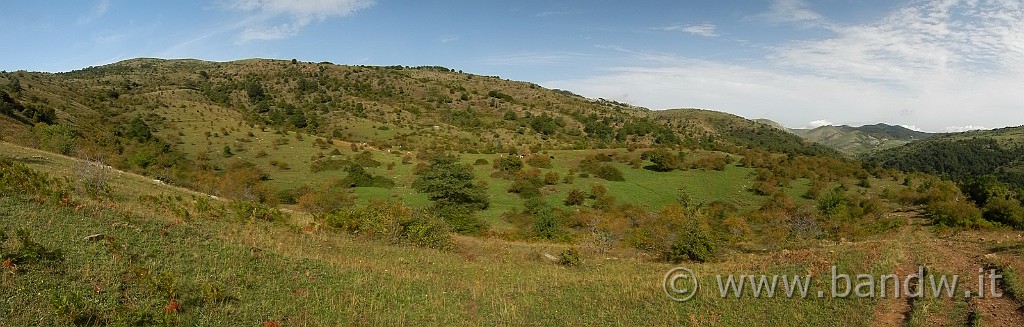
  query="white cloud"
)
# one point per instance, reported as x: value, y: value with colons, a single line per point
x: 932, y: 64
x: 707, y: 30
x: 957, y: 129
x: 912, y: 127
x: 97, y: 11
x: 820, y: 123
x: 299, y: 12
x: 789, y: 11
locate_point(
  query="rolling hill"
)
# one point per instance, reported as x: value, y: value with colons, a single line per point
x: 274, y: 192
x: 302, y: 124
x: 863, y: 139
x: 963, y: 156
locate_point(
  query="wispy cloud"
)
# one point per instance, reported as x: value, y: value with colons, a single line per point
x: 789, y: 11
x: 97, y: 11
x: 298, y: 12
x: 267, y: 33
x: 448, y: 38
x: 554, y: 13
x: 932, y: 63
x: 957, y: 129
x: 707, y: 30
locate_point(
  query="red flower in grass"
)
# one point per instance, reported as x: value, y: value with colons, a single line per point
x: 270, y: 323
x: 172, y: 307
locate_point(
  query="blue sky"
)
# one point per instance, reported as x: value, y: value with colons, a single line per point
x: 936, y: 65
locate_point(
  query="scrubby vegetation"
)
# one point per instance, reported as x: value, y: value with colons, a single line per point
x: 402, y: 160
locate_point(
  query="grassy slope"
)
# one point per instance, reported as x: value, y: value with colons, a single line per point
x: 655, y: 189
x: 278, y: 272
x: 229, y: 272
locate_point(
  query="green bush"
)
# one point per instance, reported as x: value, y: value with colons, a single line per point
x: 608, y: 173
x: 954, y: 213
x: 1004, y: 211
x: 358, y: 177
x: 663, y: 160
x: 322, y: 165
x: 395, y: 223
x: 693, y: 244
x: 575, y: 198
x: 539, y: 161
x: 460, y: 218
x: 18, y: 179
x: 508, y: 164
x: 524, y: 188
x: 448, y: 182
x: 546, y: 223
x: 250, y: 210
x: 569, y: 258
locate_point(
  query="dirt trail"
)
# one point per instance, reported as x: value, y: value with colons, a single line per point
x: 893, y: 311
x: 962, y: 256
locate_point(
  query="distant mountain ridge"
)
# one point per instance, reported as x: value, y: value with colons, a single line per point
x: 863, y: 139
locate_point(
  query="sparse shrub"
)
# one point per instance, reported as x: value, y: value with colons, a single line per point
x: 1006, y: 211
x: 574, y: 198
x: 329, y: 199
x: 546, y: 223
x: 525, y: 188
x: 551, y: 178
x: 598, y: 166
x: 249, y: 210
x: 358, y: 177
x: 328, y: 165
x: 365, y: 159
x: 58, y: 138
x: 663, y: 160
x: 569, y: 257
x: 766, y: 187
x: 864, y: 182
x: 539, y: 161
x: 508, y: 164
x: 95, y: 178
x: 694, y: 243
x: 955, y: 213
x: 609, y: 173
x: 393, y: 222
x: 480, y: 162
x: 831, y: 202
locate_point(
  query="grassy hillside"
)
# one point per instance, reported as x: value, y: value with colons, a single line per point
x: 155, y: 264
x: 714, y: 127
x: 862, y: 140
x: 300, y: 126
x: 291, y: 193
